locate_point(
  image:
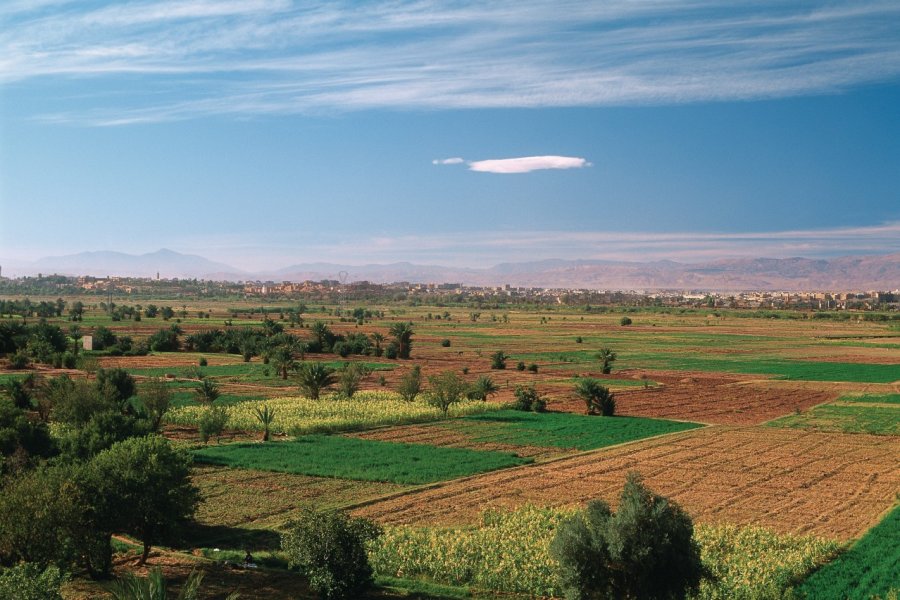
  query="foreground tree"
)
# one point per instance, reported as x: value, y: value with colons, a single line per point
x: 597, y: 398
x: 329, y: 547
x: 315, y: 377
x: 445, y: 390
x: 143, y: 485
x: 643, y: 551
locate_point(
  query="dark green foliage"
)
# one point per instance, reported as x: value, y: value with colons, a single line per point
x: 445, y: 343
x: 520, y: 366
x: 446, y: 389
x: 597, y: 398
x: 868, y: 569
x: 104, y: 338
x: 314, y: 378
x: 359, y: 459
x: 578, y: 339
x: 411, y: 384
x: 118, y: 382
x: 155, y: 398
x: 202, y: 362
x: 498, y: 360
x: 329, y: 547
x: 165, y: 340
x: 38, y: 511
x: 402, y: 334
x: 27, y: 581
x: 102, y: 430
x: 645, y: 550
x: 392, y: 351
x: 533, y: 368
x: 145, y: 483
x: 528, y: 399
x: 21, y: 439
x: 19, y: 360
x: 625, y: 321
x: 18, y: 392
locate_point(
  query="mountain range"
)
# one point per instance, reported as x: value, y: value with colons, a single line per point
x: 845, y: 273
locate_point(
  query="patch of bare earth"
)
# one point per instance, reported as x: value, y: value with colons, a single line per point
x: 834, y: 485
x: 717, y: 399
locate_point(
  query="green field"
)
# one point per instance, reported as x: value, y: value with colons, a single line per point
x: 561, y: 430
x: 873, y: 398
x: 858, y: 417
x: 870, y: 568
x: 358, y: 459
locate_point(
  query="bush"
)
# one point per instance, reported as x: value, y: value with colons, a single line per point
x: 533, y: 368
x: 498, y: 360
x: 528, y: 399
x: 28, y: 581
x: 411, y: 384
x: 212, y: 423
x: 644, y: 550
x: 520, y: 366
x: 445, y: 343
x: 203, y: 362
x: 329, y: 547
x: 578, y: 340
x: 625, y: 321
x: 19, y: 360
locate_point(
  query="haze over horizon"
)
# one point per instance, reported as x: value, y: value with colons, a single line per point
x: 270, y: 132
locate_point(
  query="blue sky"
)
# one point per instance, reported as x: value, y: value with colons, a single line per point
x: 269, y: 132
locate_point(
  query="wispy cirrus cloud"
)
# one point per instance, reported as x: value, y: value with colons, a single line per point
x: 522, y: 164
x: 162, y: 61
x: 526, y: 164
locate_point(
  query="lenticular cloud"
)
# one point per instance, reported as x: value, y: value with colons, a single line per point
x: 527, y: 164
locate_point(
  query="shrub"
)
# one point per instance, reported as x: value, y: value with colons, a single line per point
x: 578, y: 340
x: 498, y: 360
x: 329, y: 547
x: 445, y: 343
x: 644, y: 550
x: 27, y: 581
x: 212, y: 423
x: 411, y: 384
x: 520, y: 366
x: 533, y: 368
x: 625, y: 321
x: 203, y: 362
x: 19, y: 360
x: 528, y: 399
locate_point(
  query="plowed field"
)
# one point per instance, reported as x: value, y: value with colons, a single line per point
x: 834, y: 485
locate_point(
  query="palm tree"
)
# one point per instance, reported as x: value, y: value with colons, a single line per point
x: 283, y: 360
x: 315, y: 377
x: 607, y: 357
x: 266, y: 417
x: 322, y: 334
x: 596, y: 397
x: 207, y: 391
x: 378, y: 338
x: 402, y: 333
x: 483, y: 387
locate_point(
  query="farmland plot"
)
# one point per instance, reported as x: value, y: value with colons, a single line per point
x: 833, y: 485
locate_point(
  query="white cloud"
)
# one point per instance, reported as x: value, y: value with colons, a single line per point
x: 448, y: 161
x: 526, y: 164
x: 257, y: 57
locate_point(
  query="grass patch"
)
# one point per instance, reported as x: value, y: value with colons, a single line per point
x: 868, y: 569
x: 359, y: 459
x: 182, y: 398
x: 782, y: 369
x: 562, y: 430
x: 873, y: 398
x: 249, y: 372
x: 846, y: 418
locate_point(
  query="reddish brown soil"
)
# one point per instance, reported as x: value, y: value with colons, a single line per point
x: 835, y: 485
x: 718, y: 399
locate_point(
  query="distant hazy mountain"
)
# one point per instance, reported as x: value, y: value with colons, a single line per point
x: 844, y: 273
x: 167, y: 263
